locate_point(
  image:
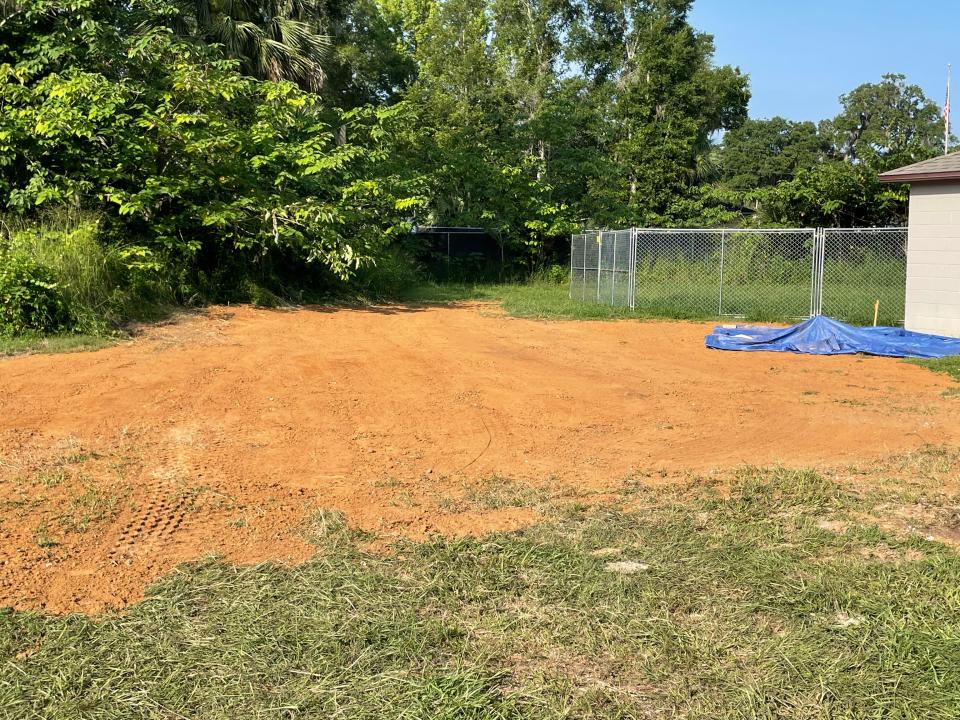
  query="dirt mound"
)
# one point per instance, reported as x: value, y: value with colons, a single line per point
x: 226, y: 431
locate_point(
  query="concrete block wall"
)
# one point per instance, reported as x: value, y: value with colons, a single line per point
x: 933, y: 259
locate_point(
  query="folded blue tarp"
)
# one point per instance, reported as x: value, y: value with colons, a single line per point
x: 826, y: 336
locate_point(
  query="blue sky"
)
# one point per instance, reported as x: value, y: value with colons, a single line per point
x: 801, y: 56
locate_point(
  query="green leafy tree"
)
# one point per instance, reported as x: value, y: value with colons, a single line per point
x: 488, y: 127
x: 541, y: 115
x: 761, y: 153
x: 663, y: 99
x: 196, y: 164
x: 834, y: 194
x: 882, y: 125
x: 886, y: 124
x: 368, y: 63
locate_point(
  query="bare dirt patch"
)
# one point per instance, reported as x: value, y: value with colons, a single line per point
x: 224, y: 432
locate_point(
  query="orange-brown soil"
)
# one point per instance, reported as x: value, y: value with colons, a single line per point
x: 224, y: 432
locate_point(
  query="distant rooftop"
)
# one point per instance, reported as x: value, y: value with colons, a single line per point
x: 945, y: 167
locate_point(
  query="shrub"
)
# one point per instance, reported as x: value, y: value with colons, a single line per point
x: 88, y: 275
x: 554, y: 274
x: 386, y: 278
x: 30, y: 299
x: 103, y: 284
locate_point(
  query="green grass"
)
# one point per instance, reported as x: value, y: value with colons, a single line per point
x: 53, y: 344
x: 673, y: 300
x: 779, y: 600
x: 542, y: 300
x: 90, y: 508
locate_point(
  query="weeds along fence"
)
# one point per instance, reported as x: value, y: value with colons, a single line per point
x: 754, y: 274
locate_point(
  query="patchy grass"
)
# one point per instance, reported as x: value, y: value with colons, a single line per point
x: 53, y: 344
x: 90, y: 508
x: 775, y: 599
x: 948, y: 365
x: 43, y: 538
x: 497, y: 492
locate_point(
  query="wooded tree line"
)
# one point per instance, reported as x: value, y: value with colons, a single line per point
x: 826, y: 174
x: 299, y: 138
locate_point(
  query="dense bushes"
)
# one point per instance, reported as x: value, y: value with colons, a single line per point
x: 30, y: 299
x: 212, y: 179
x: 99, y: 285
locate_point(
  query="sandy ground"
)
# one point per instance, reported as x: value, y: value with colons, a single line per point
x: 224, y: 432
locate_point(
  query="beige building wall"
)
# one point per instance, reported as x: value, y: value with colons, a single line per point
x: 933, y: 259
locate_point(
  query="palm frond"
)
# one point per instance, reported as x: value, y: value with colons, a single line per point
x: 273, y: 39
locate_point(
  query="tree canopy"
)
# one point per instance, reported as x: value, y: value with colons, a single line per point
x: 220, y: 138
x: 886, y: 124
x: 762, y: 153
x: 802, y: 174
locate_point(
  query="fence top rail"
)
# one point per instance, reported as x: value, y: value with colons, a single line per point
x: 681, y: 231
x: 867, y: 229
x: 724, y: 230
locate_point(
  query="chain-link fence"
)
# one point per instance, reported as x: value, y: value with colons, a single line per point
x: 601, y: 267
x: 757, y: 274
x: 864, y: 270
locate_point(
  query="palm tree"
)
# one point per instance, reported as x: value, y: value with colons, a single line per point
x: 272, y: 39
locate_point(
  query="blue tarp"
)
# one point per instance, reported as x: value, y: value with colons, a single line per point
x: 826, y: 336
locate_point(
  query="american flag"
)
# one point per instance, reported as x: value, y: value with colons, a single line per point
x: 946, y: 107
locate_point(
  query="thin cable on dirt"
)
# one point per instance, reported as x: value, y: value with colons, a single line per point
x: 485, y: 447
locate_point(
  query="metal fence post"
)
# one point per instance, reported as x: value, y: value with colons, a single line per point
x: 583, y: 285
x: 613, y: 273
x: 723, y: 243
x: 816, y: 272
x: 820, y: 252
x: 813, y: 271
x: 823, y: 262
x: 632, y: 290
x: 599, y: 262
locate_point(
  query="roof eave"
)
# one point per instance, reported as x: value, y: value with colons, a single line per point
x: 919, y: 177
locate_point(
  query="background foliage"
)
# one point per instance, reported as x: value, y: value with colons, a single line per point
x: 250, y: 149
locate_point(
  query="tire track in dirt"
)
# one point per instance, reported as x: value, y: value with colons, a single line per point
x: 153, y: 523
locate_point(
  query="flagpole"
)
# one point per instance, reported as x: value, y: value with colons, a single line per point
x: 946, y: 117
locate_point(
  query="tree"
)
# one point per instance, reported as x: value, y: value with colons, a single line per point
x: 834, y: 194
x: 528, y: 47
x: 886, y: 124
x: 662, y: 99
x: 541, y: 115
x: 367, y: 62
x: 196, y: 166
x: 487, y: 72
x: 272, y: 39
x: 761, y: 153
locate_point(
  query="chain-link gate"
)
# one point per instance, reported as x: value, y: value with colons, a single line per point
x: 678, y: 272
x: 758, y: 274
x: 864, y: 272
x: 601, y: 267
